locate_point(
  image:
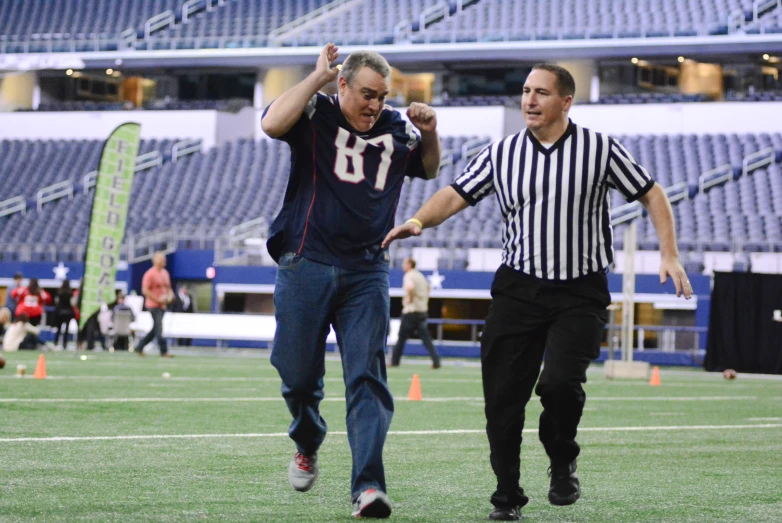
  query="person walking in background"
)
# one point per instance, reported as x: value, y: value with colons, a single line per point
x: 121, y: 318
x: 30, y: 301
x: 351, y: 154
x: 156, y: 288
x: 551, y: 181
x: 64, y: 313
x: 10, y: 301
x: 184, y: 302
x: 415, y: 311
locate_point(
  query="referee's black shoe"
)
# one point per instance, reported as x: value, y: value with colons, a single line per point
x: 565, y: 488
x: 505, y: 514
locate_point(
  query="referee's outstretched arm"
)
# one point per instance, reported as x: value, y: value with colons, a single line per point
x: 442, y: 205
x: 659, y: 208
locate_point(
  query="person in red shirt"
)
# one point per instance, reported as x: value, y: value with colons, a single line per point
x: 30, y: 301
x: 156, y: 288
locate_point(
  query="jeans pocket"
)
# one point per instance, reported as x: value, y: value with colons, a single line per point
x: 290, y: 260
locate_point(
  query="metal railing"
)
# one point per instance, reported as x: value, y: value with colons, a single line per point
x: 716, y: 176
x: 432, y: 15
x: 158, y: 22
x: 144, y: 245
x: 192, y: 7
x: 403, y: 31
x: 757, y: 160
x: 625, y: 213
x: 446, y: 158
x: 54, y: 192
x: 13, y: 205
x: 89, y: 181
x: 677, y: 191
x: 763, y: 7
x: 148, y: 160
x: 736, y: 21
x: 244, y: 244
x: 472, y: 147
x: 707, y: 180
x: 294, y: 27
x: 185, y: 147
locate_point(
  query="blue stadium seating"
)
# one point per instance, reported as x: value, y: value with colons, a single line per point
x: 233, y: 105
x: 245, y: 179
x: 44, y: 22
x: 649, y: 98
x: 493, y: 20
x: 43, y: 25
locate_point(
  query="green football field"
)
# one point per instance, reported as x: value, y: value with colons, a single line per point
x: 109, y: 439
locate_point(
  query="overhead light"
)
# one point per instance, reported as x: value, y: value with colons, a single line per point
x: 634, y: 60
x: 69, y: 72
x: 681, y: 59
x: 109, y: 71
x: 766, y: 56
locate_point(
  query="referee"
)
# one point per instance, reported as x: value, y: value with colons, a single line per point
x: 551, y: 182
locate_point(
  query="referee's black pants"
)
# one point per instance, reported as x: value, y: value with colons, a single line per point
x: 528, y: 315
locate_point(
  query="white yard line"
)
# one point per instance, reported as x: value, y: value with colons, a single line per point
x: 391, y: 433
x: 340, y: 399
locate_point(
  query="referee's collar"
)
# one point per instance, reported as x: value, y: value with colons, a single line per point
x: 548, y: 150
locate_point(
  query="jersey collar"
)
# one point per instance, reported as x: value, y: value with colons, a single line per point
x: 556, y: 145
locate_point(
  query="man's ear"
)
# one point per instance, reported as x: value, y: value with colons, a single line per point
x: 568, y: 103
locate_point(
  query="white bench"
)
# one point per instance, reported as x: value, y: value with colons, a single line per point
x: 242, y: 327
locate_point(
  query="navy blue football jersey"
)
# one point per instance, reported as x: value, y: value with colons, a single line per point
x: 344, y: 186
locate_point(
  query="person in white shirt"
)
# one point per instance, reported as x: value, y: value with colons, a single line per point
x: 415, y: 310
x: 21, y: 334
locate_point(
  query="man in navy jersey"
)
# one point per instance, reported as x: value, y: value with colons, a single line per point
x: 350, y: 154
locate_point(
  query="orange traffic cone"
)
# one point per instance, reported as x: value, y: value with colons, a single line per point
x: 40, y: 368
x: 655, y: 381
x: 415, y: 389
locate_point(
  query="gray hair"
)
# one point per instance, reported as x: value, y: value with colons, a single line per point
x: 360, y: 59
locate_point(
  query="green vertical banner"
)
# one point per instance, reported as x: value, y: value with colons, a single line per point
x: 108, y: 218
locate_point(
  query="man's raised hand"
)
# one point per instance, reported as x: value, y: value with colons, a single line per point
x: 328, y: 54
x: 422, y: 117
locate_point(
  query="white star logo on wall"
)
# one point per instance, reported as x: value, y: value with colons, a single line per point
x: 60, y: 271
x: 436, y: 280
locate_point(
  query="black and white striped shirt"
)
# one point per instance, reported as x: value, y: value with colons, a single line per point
x: 554, y: 200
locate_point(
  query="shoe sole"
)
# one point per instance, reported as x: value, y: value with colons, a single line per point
x: 504, y: 519
x: 562, y: 502
x: 306, y: 487
x: 376, y: 509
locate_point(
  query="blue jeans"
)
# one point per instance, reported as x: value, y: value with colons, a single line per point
x: 308, y: 298
x: 155, y: 333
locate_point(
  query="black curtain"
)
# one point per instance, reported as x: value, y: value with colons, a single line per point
x: 742, y: 334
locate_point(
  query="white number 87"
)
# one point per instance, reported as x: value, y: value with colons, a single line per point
x: 356, y: 154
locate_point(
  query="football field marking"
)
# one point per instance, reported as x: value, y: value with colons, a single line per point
x: 391, y: 433
x: 341, y: 399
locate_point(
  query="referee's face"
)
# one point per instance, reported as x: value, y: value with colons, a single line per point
x: 542, y: 104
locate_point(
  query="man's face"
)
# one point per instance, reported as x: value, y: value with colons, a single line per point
x: 406, y: 265
x: 362, y: 101
x: 541, y: 103
x: 159, y: 261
